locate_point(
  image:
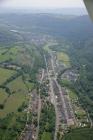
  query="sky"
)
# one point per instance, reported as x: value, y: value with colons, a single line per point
x: 42, y: 3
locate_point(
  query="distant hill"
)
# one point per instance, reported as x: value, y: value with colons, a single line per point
x: 62, y: 11
x: 72, y: 27
x: 8, y: 37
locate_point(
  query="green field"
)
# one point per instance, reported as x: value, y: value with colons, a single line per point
x: 72, y: 95
x: 12, y: 104
x: 61, y: 56
x: 5, y: 74
x: 29, y: 85
x: 17, y: 86
x: 8, y: 54
x: 46, y: 47
x: 15, y: 100
x: 80, y: 134
x: 3, y: 95
x: 46, y: 136
x: 17, y: 54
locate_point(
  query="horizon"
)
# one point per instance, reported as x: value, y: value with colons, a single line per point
x: 42, y: 4
x: 64, y: 11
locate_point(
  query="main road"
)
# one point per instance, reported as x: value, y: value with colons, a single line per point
x: 53, y: 99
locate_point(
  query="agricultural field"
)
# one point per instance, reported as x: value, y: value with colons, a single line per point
x: 15, y: 100
x: 63, y: 57
x: 12, y: 115
x: 17, y: 54
x: 17, y: 86
x: 12, y: 104
x: 3, y: 95
x: 8, y: 54
x: 5, y: 74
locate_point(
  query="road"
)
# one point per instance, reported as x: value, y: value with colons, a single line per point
x: 59, y: 97
x: 27, y: 133
x: 39, y: 107
x: 65, y: 102
x: 53, y: 100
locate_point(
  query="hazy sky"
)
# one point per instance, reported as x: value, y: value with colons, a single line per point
x: 43, y: 3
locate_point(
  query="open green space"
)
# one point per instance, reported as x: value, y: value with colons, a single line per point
x: 72, y: 95
x: 8, y: 54
x: 46, y: 136
x: 61, y: 56
x: 5, y: 74
x: 12, y: 104
x: 46, y: 48
x: 80, y: 113
x: 48, y: 45
x: 15, y: 100
x: 17, y: 86
x: 29, y: 85
x: 3, y: 95
x: 80, y: 134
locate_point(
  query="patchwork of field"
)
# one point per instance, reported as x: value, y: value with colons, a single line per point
x: 19, y: 91
x: 15, y: 84
x: 16, y: 54
x: 8, y: 53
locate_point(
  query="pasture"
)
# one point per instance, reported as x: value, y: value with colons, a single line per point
x: 12, y: 104
x: 5, y: 74
x: 3, y: 95
x: 17, y: 86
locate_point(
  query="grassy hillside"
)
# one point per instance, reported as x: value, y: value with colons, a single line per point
x: 71, y: 28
